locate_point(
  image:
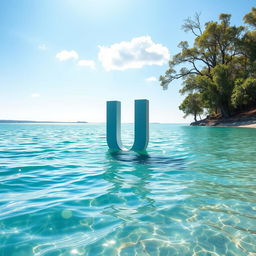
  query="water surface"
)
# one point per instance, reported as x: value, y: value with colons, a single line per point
x: 63, y: 193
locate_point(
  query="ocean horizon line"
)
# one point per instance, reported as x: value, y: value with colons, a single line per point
x: 74, y: 122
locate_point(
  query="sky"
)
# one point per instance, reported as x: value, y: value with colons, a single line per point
x: 61, y: 60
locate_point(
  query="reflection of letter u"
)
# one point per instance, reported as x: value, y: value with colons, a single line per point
x: 141, y: 125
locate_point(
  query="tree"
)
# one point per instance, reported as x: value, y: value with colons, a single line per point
x: 250, y: 18
x: 192, y: 105
x: 249, y: 39
x: 212, y: 65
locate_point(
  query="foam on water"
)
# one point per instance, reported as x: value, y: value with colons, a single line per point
x: 63, y: 193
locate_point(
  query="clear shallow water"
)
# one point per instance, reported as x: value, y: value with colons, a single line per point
x: 63, y: 193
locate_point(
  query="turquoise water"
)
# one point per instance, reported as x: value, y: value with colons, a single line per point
x: 63, y: 193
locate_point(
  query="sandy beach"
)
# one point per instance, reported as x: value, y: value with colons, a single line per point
x: 238, y: 125
x: 248, y: 126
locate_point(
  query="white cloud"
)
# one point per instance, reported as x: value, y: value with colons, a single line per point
x: 42, y: 47
x: 151, y: 79
x: 67, y: 55
x: 138, y: 52
x: 86, y: 63
x: 35, y: 95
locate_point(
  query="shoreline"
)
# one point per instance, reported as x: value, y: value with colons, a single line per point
x: 239, y: 122
x: 239, y: 126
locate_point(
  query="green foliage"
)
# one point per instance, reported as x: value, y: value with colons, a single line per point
x: 244, y: 93
x: 192, y: 105
x: 250, y: 18
x: 222, y: 56
x: 249, y: 40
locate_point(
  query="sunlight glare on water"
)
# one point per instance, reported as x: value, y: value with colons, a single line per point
x: 63, y: 193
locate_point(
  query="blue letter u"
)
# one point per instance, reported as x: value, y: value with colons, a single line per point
x: 141, y: 126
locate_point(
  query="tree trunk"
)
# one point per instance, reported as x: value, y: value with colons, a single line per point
x: 195, y: 117
x: 224, y: 111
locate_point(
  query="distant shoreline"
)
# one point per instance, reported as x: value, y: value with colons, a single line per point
x: 38, y: 122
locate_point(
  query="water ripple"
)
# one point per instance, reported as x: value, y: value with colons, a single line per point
x: 62, y: 193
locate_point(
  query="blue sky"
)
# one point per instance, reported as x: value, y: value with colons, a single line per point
x: 63, y: 59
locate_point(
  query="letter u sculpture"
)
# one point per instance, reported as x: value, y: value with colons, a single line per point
x: 141, y: 125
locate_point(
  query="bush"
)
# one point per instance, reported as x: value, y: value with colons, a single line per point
x: 244, y: 93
